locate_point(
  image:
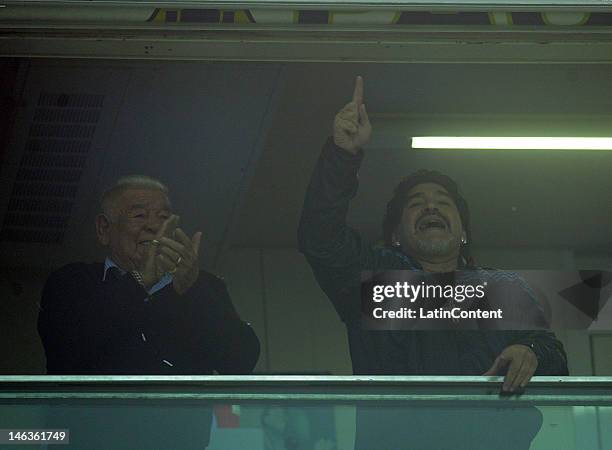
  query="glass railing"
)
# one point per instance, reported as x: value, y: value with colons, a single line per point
x: 303, y: 412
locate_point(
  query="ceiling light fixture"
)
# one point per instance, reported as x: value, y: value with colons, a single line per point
x: 511, y: 143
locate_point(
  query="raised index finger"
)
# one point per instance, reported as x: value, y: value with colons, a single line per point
x: 358, y: 92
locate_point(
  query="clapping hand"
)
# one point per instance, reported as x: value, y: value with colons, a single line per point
x: 179, y: 257
x: 172, y: 251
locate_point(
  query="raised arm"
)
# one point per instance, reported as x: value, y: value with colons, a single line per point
x: 334, y: 250
x: 323, y: 234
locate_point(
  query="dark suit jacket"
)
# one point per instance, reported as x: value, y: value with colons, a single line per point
x: 94, y: 327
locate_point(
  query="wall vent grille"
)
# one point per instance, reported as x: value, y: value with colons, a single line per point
x: 55, y: 154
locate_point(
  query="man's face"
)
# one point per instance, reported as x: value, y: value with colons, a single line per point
x: 137, y: 216
x: 430, y: 225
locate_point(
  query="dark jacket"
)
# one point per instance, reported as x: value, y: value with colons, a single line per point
x: 338, y: 255
x: 94, y: 327
x: 90, y: 326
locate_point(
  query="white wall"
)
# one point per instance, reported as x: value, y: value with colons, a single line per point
x: 299, y: 330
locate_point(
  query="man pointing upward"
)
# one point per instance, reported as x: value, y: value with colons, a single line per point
x: 426, y: 228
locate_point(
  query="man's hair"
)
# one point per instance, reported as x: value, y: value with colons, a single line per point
x: 395, y: 207
x: 110, y: 195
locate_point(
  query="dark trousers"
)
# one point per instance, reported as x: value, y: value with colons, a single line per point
x: 428, y: 427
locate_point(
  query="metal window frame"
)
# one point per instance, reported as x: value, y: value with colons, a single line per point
x: 542, y: 391
x: 524, y: 5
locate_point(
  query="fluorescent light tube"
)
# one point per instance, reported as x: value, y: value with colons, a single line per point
x: 512, y: 143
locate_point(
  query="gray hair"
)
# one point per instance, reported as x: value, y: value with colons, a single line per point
x: 110, y: 195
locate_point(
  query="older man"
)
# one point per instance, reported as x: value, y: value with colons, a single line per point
x: 148, y: 309
x: 426, y: 229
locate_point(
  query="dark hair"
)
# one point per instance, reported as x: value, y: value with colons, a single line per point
x: 395, y: 207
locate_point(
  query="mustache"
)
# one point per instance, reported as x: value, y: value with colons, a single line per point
x: 433, y: 213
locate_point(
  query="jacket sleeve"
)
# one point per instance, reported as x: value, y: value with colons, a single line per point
x: 80, y: 317
x: 233, y: 346
x: 552, y: 359
x: 527, y: 318
x: 334, y: 250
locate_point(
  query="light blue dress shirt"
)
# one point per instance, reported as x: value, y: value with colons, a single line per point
x: 162, y: 283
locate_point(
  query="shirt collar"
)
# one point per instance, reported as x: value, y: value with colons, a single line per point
x: 164, y: 281
x: 461, y: 262
x: 108, y: 263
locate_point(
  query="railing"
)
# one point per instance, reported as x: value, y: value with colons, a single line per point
x: 541, y: 390
x: 311, y: 412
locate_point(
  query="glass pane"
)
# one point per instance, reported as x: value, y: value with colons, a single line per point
x: 312, y: 413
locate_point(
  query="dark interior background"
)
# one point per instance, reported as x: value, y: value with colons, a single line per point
x: 236, y: 143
